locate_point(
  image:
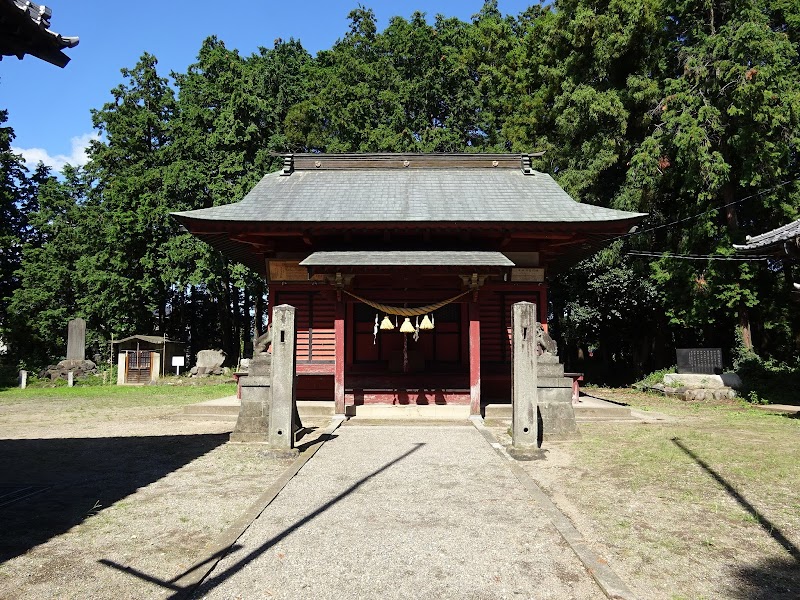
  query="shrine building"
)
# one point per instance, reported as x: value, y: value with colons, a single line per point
x: 403, y: 267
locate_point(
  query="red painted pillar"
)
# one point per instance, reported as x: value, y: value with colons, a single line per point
x: 338, y: 377
x: 542, y: 308
x: 474, y: 359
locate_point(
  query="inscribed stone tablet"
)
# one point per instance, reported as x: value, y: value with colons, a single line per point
x: 699, y: 360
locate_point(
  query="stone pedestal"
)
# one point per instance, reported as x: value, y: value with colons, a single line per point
x: 253, y: 422
x: 555, y: 399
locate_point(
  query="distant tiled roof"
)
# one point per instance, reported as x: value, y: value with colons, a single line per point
x: 407, y: 259
x: 151, y: 339
x: 774, y: 241
x: 421, y: 195
x: 24, y: 29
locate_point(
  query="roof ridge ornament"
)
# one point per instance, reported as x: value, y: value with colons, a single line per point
x: 527, y: 168
x: 288, y: 164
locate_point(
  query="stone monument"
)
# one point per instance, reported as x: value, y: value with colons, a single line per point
x: 75, y: 363
x: 76, y: 340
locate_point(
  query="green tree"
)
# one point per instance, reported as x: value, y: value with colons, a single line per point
x: 126, y: 287
x: 723, y: 143
x: 14, y: 192
x: 229, y: 120
x: 51, y: 272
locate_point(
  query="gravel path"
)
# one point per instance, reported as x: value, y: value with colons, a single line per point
x: 402, y: 512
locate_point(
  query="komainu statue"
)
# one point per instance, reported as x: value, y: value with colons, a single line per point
x: 261, y: 364
x: 544, y: 343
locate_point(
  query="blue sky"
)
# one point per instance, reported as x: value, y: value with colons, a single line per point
x: 49, y: 107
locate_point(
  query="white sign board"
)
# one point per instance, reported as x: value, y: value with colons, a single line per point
x: 531, y: 274
x: 178, y: 361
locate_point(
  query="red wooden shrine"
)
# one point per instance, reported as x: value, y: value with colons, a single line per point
x: 330, y: 232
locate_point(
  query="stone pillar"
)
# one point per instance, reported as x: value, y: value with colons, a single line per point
x: 76, y: 340
x: 70, y: 379
x: 524, y: 385
x: 155, y: 366
x: 122, y: 365
x: 282, y: 422
x: 23, y: 379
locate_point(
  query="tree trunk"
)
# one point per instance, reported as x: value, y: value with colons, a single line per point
x: 190, y: 307
x: 247, y: 340
x: 728, y: 195
x: 225, y: 308
x: 788, y: 277
x: 258, y: 326
x: 744, y: 326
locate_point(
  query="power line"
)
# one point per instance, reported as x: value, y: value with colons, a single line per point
x: 697, y: 256
x: 705, y: 212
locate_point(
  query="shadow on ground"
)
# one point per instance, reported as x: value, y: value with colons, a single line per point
x: 71, y: 479
x: 207, y: 584
x: 772, y: 579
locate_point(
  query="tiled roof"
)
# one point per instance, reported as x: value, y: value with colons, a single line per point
x: 407, y: 259
x: 772, y: 240
x: 24, y: 29
x: 152, y: 339
x: 318, y: 192
x: 412, y: 195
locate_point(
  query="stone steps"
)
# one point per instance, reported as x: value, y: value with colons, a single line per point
x: 586, y: 409
x: 403, y: 412
x: 227, y: 409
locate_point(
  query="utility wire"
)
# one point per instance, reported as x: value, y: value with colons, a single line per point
x: 697, y: 256
x: 705, y: 212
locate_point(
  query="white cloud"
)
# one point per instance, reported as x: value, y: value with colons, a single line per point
x: 76, y: 158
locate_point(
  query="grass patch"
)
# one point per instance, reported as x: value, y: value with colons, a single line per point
x: 117, y: 396
x: 719, y: 481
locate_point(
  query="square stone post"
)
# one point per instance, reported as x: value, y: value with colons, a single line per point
x: 524, y: 384
x: 122, y: 365
x: 282, y: 422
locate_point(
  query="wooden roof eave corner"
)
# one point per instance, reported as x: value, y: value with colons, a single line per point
x: 782, y: 241
x: 25, y: 30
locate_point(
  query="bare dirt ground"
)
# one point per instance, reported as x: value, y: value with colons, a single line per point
x: 705, y: 506
x: 115, y: 491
